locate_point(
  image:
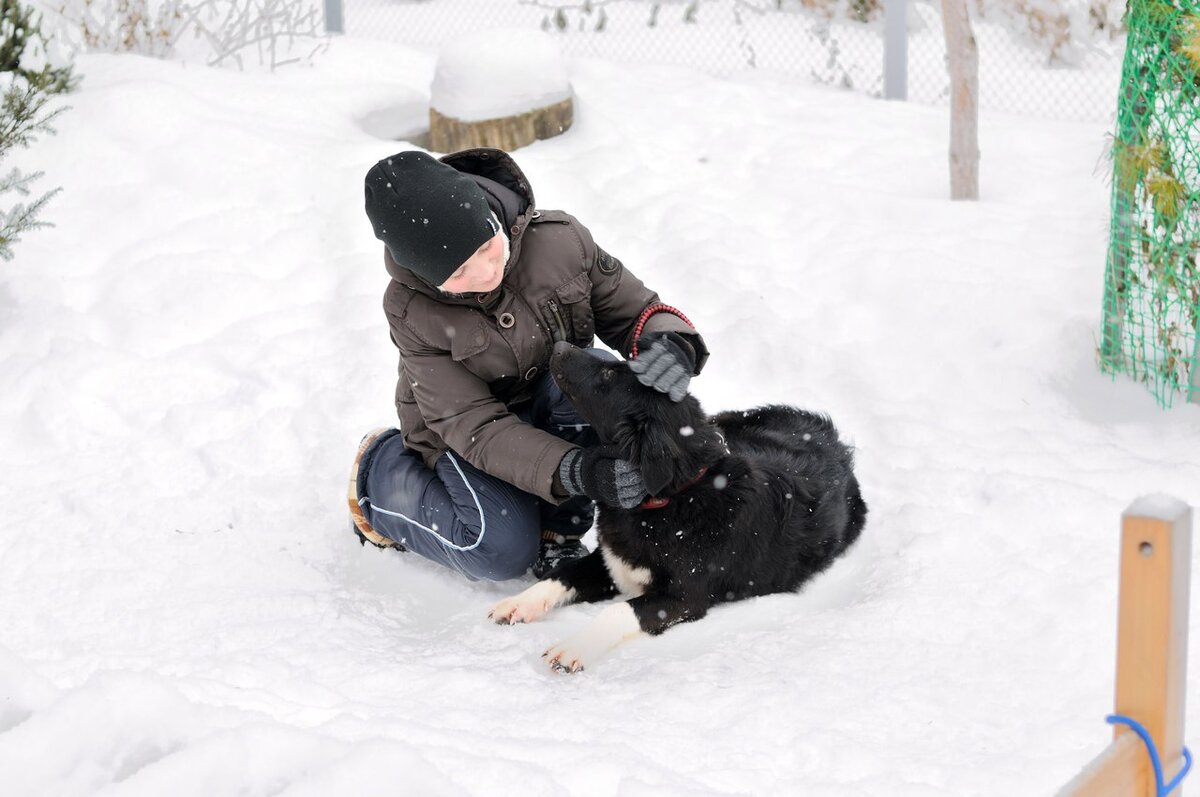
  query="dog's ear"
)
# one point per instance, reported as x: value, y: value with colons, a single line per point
x: 626, y: 438
x: 657, y: 455
x: 646, y: 443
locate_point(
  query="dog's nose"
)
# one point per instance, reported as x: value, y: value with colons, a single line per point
x: 562, y: 346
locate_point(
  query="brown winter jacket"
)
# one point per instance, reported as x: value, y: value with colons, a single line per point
x: 468, y: 360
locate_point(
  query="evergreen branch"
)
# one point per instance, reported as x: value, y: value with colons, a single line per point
x: 21, y: 218
x: 19, y: 116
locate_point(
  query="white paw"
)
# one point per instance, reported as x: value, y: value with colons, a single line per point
x: 568, y: 657
x: 532, y: 604
x: 616, y: 624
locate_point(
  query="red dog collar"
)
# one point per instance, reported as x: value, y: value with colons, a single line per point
x: 659, y: 503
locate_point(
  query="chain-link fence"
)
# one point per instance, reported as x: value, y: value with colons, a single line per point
x: 1034, y: 59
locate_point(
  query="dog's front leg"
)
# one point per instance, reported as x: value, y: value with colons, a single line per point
x: 583, y: 579
x: 650, y: 614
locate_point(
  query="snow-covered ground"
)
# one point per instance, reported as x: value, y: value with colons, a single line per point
x: 191, y: 355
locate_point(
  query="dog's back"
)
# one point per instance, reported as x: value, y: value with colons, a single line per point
x: 805, y: 448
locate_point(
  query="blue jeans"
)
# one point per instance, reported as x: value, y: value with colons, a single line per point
x: 465, y: 519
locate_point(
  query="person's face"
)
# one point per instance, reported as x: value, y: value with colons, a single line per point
x: 483, y: 270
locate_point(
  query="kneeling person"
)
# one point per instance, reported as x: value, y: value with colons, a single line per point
x: 491, y: 470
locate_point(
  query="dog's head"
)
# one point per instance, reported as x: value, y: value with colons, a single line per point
x: 669, y: 441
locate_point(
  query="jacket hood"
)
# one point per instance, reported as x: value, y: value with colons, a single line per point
x: 510, y: 197
x: 496, y: 166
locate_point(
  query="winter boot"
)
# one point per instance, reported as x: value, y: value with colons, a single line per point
x: 358, y: 481
x: 555, y: 550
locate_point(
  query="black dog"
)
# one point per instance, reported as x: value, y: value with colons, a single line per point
x: 746, y: 503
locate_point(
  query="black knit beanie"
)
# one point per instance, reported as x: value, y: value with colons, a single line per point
x: 430, y: 216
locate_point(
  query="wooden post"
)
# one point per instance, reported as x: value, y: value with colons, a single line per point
x: 1156, y: 558
x: 962, y: 58
x: 1152, y: 622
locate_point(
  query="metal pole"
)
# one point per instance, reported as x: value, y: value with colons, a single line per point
x: 333, y: 17
x: 895, y: 50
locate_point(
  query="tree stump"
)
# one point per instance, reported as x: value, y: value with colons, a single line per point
x: 447, y: 134
x: 499, y: 88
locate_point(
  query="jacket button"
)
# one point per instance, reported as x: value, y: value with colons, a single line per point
x: 531, y: 373
x: 515, y: 229
x: 507, y: 320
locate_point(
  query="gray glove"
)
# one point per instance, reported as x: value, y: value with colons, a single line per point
x: 665, y: 362
x: 602, y: 476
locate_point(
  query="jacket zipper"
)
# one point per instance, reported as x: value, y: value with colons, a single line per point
x: 562, y: 329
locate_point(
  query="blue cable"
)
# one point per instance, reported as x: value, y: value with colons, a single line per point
x: 1162, y: 789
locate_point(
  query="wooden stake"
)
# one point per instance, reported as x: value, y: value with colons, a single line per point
x: 962, y: 59
x: 1156, y: 556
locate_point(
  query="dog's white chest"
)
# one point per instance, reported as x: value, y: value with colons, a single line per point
x: 630, y: 580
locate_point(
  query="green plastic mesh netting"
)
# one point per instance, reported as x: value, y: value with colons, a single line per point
x: 1152, y: 281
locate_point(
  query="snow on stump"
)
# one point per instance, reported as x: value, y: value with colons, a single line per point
x: 499, y: 88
